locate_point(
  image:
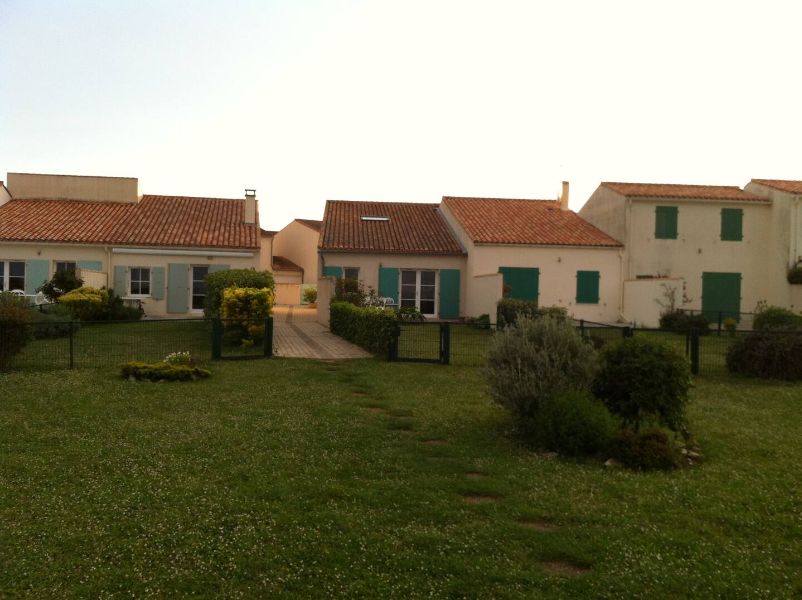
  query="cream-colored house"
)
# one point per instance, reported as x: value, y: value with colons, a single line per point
x: 295, y: 259
x: 709, y: 244
x: 153, y: 250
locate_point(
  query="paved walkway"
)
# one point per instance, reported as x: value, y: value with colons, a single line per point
x: 297, y: 334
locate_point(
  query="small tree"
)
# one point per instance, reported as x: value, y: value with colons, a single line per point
x: 61, y: 283
x: 310, y: 295
x: 351, y: 291
x: 246, y: 309
x: 238, y: 278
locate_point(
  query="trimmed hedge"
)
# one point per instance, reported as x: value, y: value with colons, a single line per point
x: 162, y: 371
x: 238, y: 278
x: 508, y: 310
x: 678, y: 321
x: 15, y: 314
x: 369, y: 327
x: 767, y: 354
x: 775, y: 317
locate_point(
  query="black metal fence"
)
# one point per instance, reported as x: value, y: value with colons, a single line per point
x: 55, y: 345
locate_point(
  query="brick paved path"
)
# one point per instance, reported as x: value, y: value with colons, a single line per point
x: 296, y: 333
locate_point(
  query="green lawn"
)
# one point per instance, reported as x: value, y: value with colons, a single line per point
x: 374, y: 479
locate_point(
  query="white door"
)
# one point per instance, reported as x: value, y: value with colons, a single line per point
x: 419, y: 290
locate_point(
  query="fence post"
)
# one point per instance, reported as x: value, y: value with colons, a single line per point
x: 392, y: 347
x: 72, y: 345
x: 627, y: 332
x: 719, y: 323
x: 695, y: 351
x: 582, y: 328
x: 268, y: 339
x: 445, y: 343
x: 217, y: 338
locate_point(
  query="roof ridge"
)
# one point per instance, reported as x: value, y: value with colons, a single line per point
x: 553, y: 200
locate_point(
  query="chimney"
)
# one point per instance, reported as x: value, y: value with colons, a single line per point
x: 250, y: 206
x: 563, y: 200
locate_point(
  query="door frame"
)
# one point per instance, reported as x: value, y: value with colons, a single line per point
x: 418, y: 272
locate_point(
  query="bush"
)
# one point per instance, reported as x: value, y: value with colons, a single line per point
x: 242, y: 278
x: 351, y: 291
x: 411, y: 314
x: 573, y: 423
x: 767, y: 354
x: 162, y: 371
x: 93, y: 304
x: 310, y: 295
x: 641, y: 379
x: 61, y: 283
x: 246, y: 309
x: 678, y: 321
x: 535, y: 359
x: 369, y: 327
x: 647, y: 450
x: 775, y: 317
x: 795, y: 275
x: 180, y: 358
x: 15, y: 314
x: 508, y: 311
x: 480, y: 322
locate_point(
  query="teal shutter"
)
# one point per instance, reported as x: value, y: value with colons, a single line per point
x: 388, y: 283
x: 92, y: 265
x: 215, y: 268
x: 157, y: 283
x: 721, y: 293
x: 587, y: 287
x: 118, y: 284
x: 37, y: 272
x: 333, y: 272
x: 177, y: 288
x: 449, y: 293
x: 521, y: 283
x: 665, y: 222
x: 732, y: 224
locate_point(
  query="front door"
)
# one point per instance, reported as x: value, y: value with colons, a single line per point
x: 721, y: 293
x: 197, y: 291
x: 419, y: 291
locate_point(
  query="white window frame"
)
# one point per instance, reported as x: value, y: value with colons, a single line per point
x: 418, y: 288
x: 64, y: 262
x: 191, y: 287
x: 7, y: 274
x: 131, y: 293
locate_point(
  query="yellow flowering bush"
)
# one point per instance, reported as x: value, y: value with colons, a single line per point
x: 246, y: 309
x: 86, y: 303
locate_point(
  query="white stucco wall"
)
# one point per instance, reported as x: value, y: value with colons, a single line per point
x: 73, y: 187
x: 606, y: 210
x: 266, y: 252
x: 643, y: 298
x: 298, y: 243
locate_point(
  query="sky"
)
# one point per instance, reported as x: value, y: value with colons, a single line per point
x: 308, y: 100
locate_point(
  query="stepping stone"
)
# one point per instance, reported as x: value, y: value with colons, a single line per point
x: 479, y: 499
x: 539, y: 525
x: 561, y: 567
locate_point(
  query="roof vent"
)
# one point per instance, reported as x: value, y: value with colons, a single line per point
x: 369, y: 218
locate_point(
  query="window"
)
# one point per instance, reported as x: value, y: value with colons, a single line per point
x: 65, y: 265
x: 419, y: 290
x: 587, y: 287
x: 351, y: 273
x: 732, y: 220
x: 140, y: 282
x: 12, y: 275
x: 198, y: 289
x: 665, y: 222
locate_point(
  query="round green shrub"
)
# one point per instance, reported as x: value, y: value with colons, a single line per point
x: 646, y: 450
x: 573, y: 423
x: 775, y: 317
x: 15, y: 314
x: 678, y: 321
x: 641, y: 379
x: 535, y: 359
x: 767, y: 354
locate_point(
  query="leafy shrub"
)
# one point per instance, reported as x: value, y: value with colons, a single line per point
x: 411, y: 314
x: 180, y: 358
x: 678, y: 321
x: 310, y: 295
x: 93, y: 304
x: 162, y: 371
x: 795, y: 274
x: 767, y: 354
x: 641, y: 379
x: 61, y: 283
x: 369, y: 327
x: 220, y: 280
x: 245, y: 309
x: 15, y: 315
x: 534, y: 359
x: 351, y: 291
x: 480, y: 322
x: 775, y: 317
x: 730, y: 325
x: 573, y: 423
x: 52, y: 324
x: 509, y: 310
x: 651, y: 449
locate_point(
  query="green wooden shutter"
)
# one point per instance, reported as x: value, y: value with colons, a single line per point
x: 388, y: 283
x: 118, y: 284
x: 157, y: 283
x: 732, y: 224
x: 333, y: 272
x: 587, y: 287
x: 177, y: 288
x: 37, y: 272
x: 92, y: 265
x: 215, y: 268
x: 521, y: 283
x: 665, y: 222
x: 721, y: 293
x: 449, y: 293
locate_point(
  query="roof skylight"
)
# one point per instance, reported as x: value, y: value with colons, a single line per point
x: 374, y: 218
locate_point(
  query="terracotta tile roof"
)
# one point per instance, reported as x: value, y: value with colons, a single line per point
x: 153, y: 221
x: 281, y: 263
x: 409, y: 229
x: 311, y: 223
x: 784, y: 185
x: 671, y: 190
x: 528, y: 222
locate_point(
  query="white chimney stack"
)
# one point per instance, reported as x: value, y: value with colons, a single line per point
x: 564, y: 197
x: 250, y: 206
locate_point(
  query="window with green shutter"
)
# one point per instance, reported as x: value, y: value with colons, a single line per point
x: 665, y: 222
x: 587, y: 287
x: 732, y: 220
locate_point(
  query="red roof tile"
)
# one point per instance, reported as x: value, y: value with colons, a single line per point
x: 671, y: 190
x: 311, y: 223
x: 526, y: 222
x: 784, y: 185
x: 153, y: 221
x: 409, y: 228
x: 281, y: 263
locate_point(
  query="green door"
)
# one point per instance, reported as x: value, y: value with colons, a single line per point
x: 721, y: 293
x: 449, y: 293
x: 521, y: 283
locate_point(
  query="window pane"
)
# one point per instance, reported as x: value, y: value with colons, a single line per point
x: 351, y: 273
x: 407, y: 303
x: 427, y: 277
x: 408, y: 291
x: 144, y: 288
x: 197, y: 302
x: 408, y: 277
x: 16, y: 269
x: 65, y: 266
x: 198, y: 287
x: 2, y: 276
x: 427, y: 307
x: 427, y: 292
x: 16, y: 283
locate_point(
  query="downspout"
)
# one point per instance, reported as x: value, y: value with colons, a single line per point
x: 108, y: 267
x: 624, y: 257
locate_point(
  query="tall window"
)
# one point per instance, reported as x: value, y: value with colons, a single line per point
x: 351, y: 273
x: 665, y: 222
x: 65, y: 265
x: 198, y: 289
x: 419, y: 290
x: 12, y: 275
x: 140, y: 282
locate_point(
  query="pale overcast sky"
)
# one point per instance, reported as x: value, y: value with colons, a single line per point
x: 404, y: 101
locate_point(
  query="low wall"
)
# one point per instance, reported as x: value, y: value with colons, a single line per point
x: 484, y: 291
x: 642, y: 299
x: 325, y: 292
